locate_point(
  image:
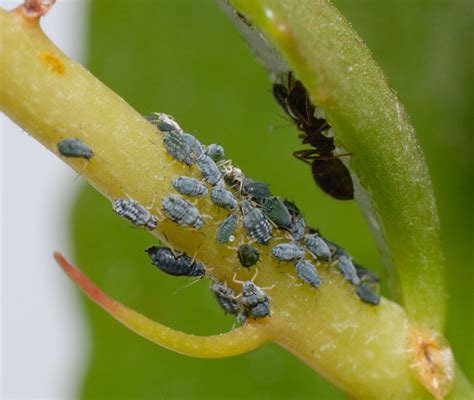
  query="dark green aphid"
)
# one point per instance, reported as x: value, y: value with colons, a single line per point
x: 276, y: 212
x: 287, y: 252
x: 226, y: 298
x: 347, y: 269
x: 256, y: 223
x: 248, y: 255
x: 182, y: 211
x: 189, y: 186
x: 74, y: 148
x: 176, y: 265
x: 177, y: 147
x: 317, y: 247
x: 215, y: 151
x: 164, y: 122
x: 257, y: 190
x: 365, y: 275
x: 308, y: 273
x: 367, y: 295
x: 135, y: 213
x: 226, y: 230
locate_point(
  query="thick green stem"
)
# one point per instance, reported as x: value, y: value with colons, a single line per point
x: 396, y: 195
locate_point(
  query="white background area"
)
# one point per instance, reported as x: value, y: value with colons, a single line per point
x: 43, y: 339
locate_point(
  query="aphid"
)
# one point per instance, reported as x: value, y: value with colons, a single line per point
x: 317, y: 247
x: 189, y: 186
x: 252, y: 294
x: 226, y: 230
x: 164, y: 122
x: 365, y: 275
x: 177, y: 147
x: 209, y: 170
x: 73, y: 147
x: 223, y: 198
x: 336, y: 250
x: 328, y: 171
x: 276, y: 212
x: 257, y: 190
x: 287, y: 252
x: 255, y: 223
x: 194, y: 144
x: 347, y: 269
x: 307, y: 273
x: 177, y: 265
x: 215, y: 151
x: 298, y: 227
x: 248, y: 255
x: 135, y: 213
x: 260, y: 310
x: 182, y: 211
x: 367, y: 295
x: 226, y: 298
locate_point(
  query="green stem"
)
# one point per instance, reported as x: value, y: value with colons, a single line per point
x: 395, y: 190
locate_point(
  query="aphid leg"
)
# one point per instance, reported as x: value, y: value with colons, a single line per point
x: 235, y: 280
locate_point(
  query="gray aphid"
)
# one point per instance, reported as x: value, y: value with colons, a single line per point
x: 252, y: 294
x: 226, y: 229
x: 175, y: 264
x: 317, y: 247
x: 189, y: 186
x: 367, y: 295
x: 226, y: 298
x: 276, y: 211
x: 223, y: 198
x: 177, y: 147
x: 261, y: 310
x: 240, y: 320
x: 194, y: 144
x: 308, y: 273
x: 73, y: 147
x: 287, y: 252
x: 215, y: 151
x: 182, y: 211
x: 209, y: 170
x: 347, y: 269
x: 164, y: 122
x: 298, y: 227
x: 135, y: 213
x: 256, y: 223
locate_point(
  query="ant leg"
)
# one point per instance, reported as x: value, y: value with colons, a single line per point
x: 306, y: 155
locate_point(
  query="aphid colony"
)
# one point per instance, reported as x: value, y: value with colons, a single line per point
x: 246, y: 202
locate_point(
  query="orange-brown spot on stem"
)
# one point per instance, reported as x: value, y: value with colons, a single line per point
x: 433, y: 362
x: 36, y: 8
x: 53, y: 63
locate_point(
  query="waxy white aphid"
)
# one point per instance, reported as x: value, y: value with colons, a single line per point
x: 256, y: 223
x: 318, y: 247
x: 215, y: 151
x: 287, y: 252
x: 189, y: 186
x: 164, y: 122
x: 177, y: 147
x: 226, y: 229
x: 135, y: 213
x: 209, y: 170
x: 223, y: 198
x: 347, y: 269
x: 73, y: 147
x: 307, y: 273
x: 182, y: 211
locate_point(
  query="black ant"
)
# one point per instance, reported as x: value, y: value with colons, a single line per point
x: 329, y: 172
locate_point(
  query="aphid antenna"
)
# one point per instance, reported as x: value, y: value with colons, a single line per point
x: 187, y: 285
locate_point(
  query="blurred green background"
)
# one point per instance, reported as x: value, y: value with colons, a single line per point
x: 185, y: 58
